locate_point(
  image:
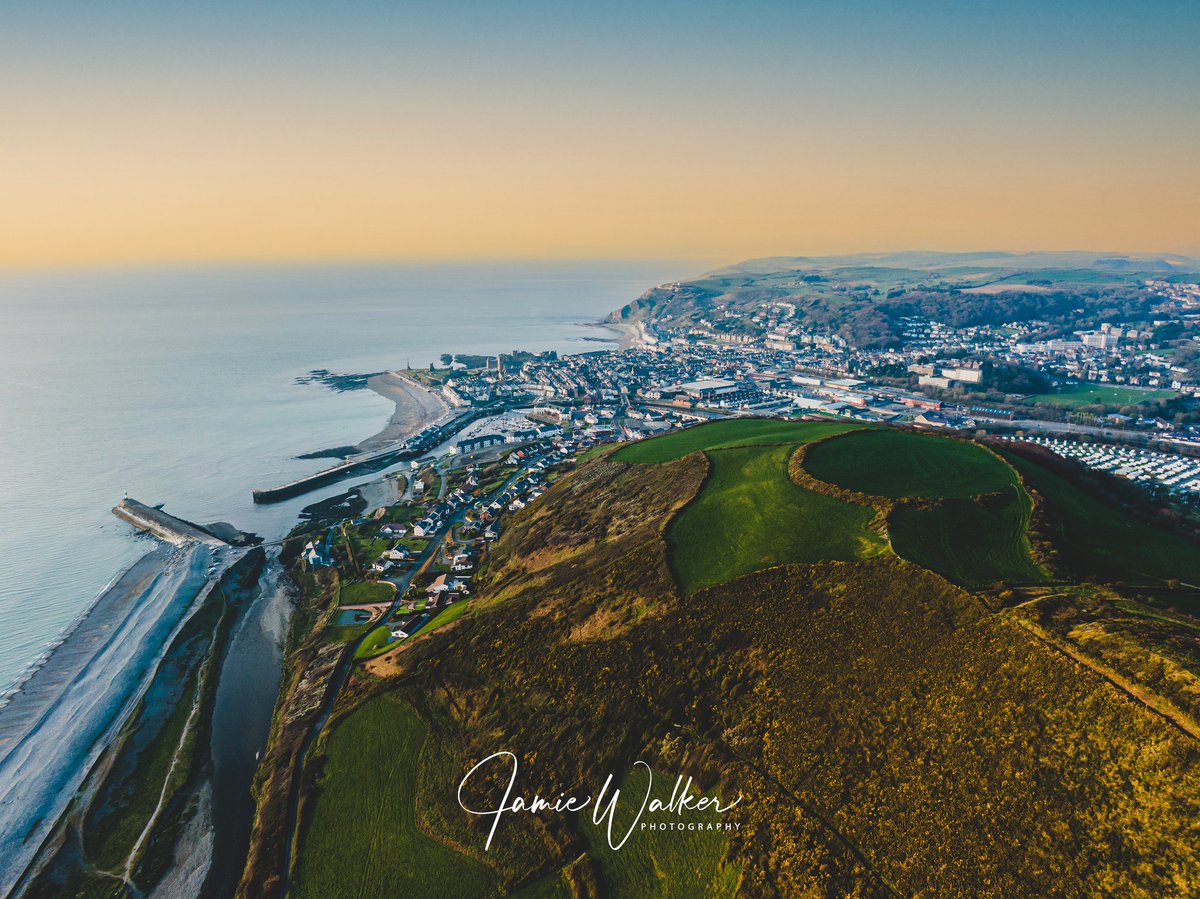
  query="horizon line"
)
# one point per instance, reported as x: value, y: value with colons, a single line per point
x: 134, y: 264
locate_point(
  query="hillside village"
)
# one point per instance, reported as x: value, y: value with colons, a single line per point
x: 406, y: 565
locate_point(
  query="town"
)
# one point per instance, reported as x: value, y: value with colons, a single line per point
x: 409, y: 564
x: 518, y: 420
x: 1111, y: 379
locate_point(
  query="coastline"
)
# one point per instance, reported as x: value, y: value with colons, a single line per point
x: 633, y: 334
x: 114, y: 651
x: 417, y: 407
x: 135, y: 617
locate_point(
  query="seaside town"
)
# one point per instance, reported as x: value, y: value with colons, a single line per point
x: 942, y: 377
x: 409, y: 544
x: 515, y: 422
x: 578, y: 451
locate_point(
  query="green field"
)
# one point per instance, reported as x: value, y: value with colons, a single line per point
x: 377, y: 643
x: 1076, y: 395
x: 362, y: 839
x: 653, y: 864
x: 356, y: 593
x: 1101, y: 543
x: 749, y: 515
x: 971, y: 543
x: 900, y: 464
x: 445, y: 616
x: 729, y: 433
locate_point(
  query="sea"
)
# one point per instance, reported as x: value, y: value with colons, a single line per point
x: 179, y: 385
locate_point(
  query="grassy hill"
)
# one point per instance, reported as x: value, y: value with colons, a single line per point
x: 749, y: 515
x: 897, y: 464
x: 730, y: 433
x: 889, y: 732
x: 974, y: 543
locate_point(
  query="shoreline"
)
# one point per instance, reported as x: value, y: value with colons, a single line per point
x: 35, y: 664
x: 115, y: 649
x: 416, y: 407
x: 633, y: 335
x: 171, y: 573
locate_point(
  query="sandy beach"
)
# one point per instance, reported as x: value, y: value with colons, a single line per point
x: 416, y: 408
x: 633, y: 335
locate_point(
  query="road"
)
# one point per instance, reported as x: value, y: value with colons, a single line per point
x: 1113, y: 435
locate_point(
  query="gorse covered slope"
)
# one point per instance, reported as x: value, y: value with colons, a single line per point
x: 891, y: 734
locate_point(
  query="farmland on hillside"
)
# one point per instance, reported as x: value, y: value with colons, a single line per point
x: 897, y: 464
x: 1099, y: 542
x: 729, y: 433
x: 363, y: 838
x: 749, y: 515
x: 974, y: 543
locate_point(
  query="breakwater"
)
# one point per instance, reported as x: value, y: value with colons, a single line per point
x: 364, y: 463
x: 163, y: 525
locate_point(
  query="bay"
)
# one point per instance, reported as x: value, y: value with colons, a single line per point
x: 178, y: 385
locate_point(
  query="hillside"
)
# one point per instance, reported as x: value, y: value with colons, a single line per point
x: 865, y: 298
x: 753, y: 604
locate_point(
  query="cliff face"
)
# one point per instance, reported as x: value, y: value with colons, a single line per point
x: 162, y: 525
x: 666, y: 302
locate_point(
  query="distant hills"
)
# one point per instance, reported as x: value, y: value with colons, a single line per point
x: 966, y: 262
x: 864, y: 297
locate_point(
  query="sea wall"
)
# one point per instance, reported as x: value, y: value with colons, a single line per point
x: 162, y: 525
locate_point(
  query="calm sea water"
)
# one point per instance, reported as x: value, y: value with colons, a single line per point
x: 178, y: 386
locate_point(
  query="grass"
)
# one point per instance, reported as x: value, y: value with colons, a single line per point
x: 974, y: 544
x: 402, y: 513
x: 1101, y: 543
x: 728, y: 433
x: 749, y: 515
x: 363, y: 839
x: 344, y: 633
x: 363, y: 550
x: 356, y: 593
x: 1076, y: 395
x: 899, y: 464
x: 656, y: 863
x: 923, y: 726
x: 368, y: 549
x: 445, y: 616
x: 378, y: 642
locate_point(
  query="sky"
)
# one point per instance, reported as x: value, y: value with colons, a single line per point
x: 162, y: 131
